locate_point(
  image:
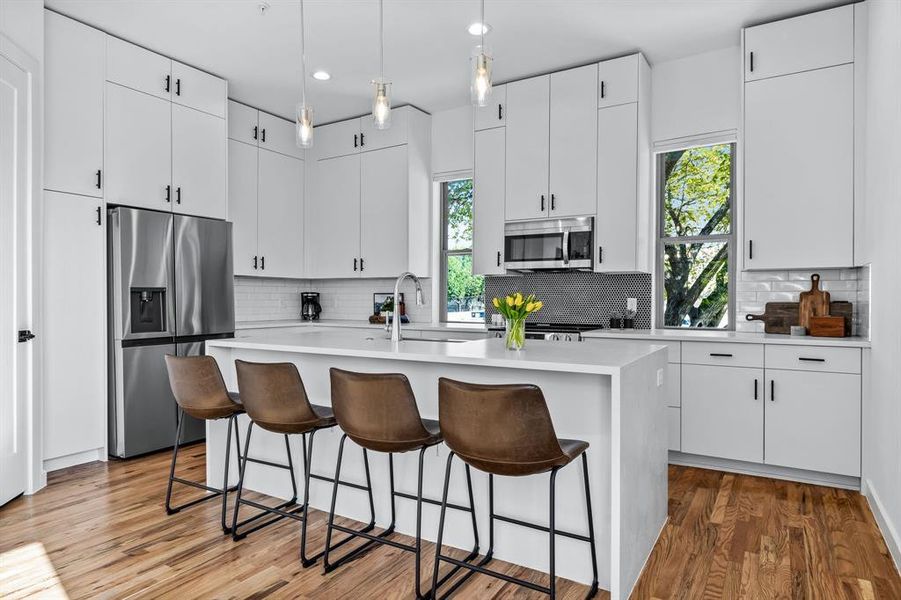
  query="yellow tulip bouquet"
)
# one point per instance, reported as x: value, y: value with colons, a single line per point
x: 515, y: 309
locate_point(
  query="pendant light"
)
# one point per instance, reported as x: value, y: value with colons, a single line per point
x: 304, y: 112
x: 381, y: 99
x: 480, y: 63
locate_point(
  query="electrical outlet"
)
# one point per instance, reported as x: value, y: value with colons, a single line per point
x: 659, y: 377
x: 632, y: 304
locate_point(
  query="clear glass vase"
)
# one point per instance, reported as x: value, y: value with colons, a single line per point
x: 516, y: 334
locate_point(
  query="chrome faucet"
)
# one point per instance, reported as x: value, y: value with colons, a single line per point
x: 395, y: 325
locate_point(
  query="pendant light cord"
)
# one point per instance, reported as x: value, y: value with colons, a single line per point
x: 482, y: 26
x: 381, y: 41
x: 303, y: 59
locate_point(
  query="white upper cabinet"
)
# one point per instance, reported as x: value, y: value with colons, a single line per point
x: 74, y: 65
x: 383, y: 212
x: 280, y: 215
x: 243, y: 125
x: 618, y: 81
x: 375, y: 139
x: 799, y: 170
x: 494, y: 114
x: 242, y: 206
x: 333, y: 219
x: 528, y: 125
x: 337, y: 139
x: 199, y: 166
x: 277, y: 135
x: 814, y: 41
x: 139, y: 69
x: 488, y: 202
x: 573, y: 143
x: 137, y: 149
x: 197, y: 89
x: 615, y: 227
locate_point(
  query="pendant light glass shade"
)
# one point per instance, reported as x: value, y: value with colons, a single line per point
x: 381, y: 104
x: 304, y: 128
x: 480, y: 80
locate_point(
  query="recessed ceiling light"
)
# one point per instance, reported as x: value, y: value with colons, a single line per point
x: 321, y: 75
x: 479, y: 28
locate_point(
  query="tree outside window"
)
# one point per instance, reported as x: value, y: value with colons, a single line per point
x: 464, y: 292
x: 696, y: 236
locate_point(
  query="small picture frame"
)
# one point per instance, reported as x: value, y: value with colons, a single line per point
x: 378, y: 299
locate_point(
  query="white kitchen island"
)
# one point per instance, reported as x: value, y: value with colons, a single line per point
x: 607, y: 393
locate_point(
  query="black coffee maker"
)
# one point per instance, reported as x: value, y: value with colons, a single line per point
x: 309, y: 306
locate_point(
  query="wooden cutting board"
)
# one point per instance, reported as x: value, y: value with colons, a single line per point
x: 778, y: 317
x: 814, y: 303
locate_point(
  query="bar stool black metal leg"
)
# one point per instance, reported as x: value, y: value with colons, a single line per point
x: 241, y: 482
x: 331, y: 513
x: 231, y: 423
x: 418, y: 557
x: 594, y: 555
x: 291, y: 471
x: 368, y: 487
x: 181, y: 418
x: 447, y: 472
x: 308, y: 465
x: 391, y: 486
x: 552, y: 535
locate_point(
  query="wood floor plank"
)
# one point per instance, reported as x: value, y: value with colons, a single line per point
x: 100, y: 531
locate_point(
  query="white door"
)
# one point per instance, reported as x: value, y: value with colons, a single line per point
x: 242, y: 123
x: 615, y: 226
x: 384, y: 233
x: 199, y: 90
x: 527, y: 148
x: 333, y: 219
x: 495, y: 113
x: 199, y: 163
x: 573, y: 143
x: 280, y: 215
x: 813, y: 421
x: 74, y: 327
x: 799, y: 170
x: 137, y: 149
x: 618, y: 81
x: 488, y: 202
x: 74, y: 59
x: 375, y: 139
x: 720, y: 415
x: 242, y: 206
x: 278, y: 135
x: 337, y: 139
x: 15, y: 293
x: 139, y: 69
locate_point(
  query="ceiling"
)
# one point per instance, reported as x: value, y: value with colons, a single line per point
x: 426, y: 41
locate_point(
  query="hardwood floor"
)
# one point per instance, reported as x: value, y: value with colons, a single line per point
x: 100, y: 531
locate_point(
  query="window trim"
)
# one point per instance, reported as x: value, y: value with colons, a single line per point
x: 443, y: 250
x: 730, y: 238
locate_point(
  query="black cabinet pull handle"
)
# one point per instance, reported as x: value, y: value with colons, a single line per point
x: 553, y: 202
x: 254, y: 263
x: 361, y: 265
x: 600, y: 254
x: 168, y: 193
x: 498, y: 258
x: 178, y: 87
x: 355, y: 264
x: 168, y: 81
x: 99, y: 178
x: 755, y: 388
x: 804, y: 358
x: 178, y: 195
x: 262, y: 263
x: 542, y: 202
x: 722, y: 354
x: 263, y: 135
x: 752, y: 61
x: 256, y: 132
x: 603, y: 90
x: 362, y: 143
x: 750, y: 249
x: 98, y: 216
x: 772, y: 390
x: 355, y: 140
x: 500, y: 112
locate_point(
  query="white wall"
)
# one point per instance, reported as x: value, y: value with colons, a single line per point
x: 22, y: 21
x: 882, y: 377
x: 452, y: 140
x: 695, y: 95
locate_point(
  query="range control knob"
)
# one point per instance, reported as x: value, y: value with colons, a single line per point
x: 554, y: 337
x: 569, y: 337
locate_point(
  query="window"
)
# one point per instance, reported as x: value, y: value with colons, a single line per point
x: 696, y: 237
x: 464, y: 293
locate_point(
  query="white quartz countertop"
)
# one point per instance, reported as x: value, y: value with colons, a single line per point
x: 601, y: 358
x: 362, y: 324
x: 693, y: 335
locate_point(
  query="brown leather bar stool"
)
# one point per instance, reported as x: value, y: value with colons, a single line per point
x: 378, y: 412
x: 200, y: 392
x: 506, y: 430
x: 275, y: 399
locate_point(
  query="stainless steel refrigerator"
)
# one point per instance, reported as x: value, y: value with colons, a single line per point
x: 170, y: 287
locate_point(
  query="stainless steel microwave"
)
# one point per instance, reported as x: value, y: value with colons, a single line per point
x: 559, y: 244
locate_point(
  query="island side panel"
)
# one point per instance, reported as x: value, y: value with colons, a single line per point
x: 580, y: 408
x: 639, y: 470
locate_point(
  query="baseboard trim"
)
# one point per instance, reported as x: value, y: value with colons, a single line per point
x: 889, y: 532
x: 758, y: 470
x: 70, y: 460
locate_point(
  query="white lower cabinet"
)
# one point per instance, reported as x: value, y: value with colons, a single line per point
x: 74, y: 329
x: 813, y: 421
x: 674, y: 427
x: 720, y: 415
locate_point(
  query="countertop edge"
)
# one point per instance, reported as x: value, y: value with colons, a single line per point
x: 652, y: 335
